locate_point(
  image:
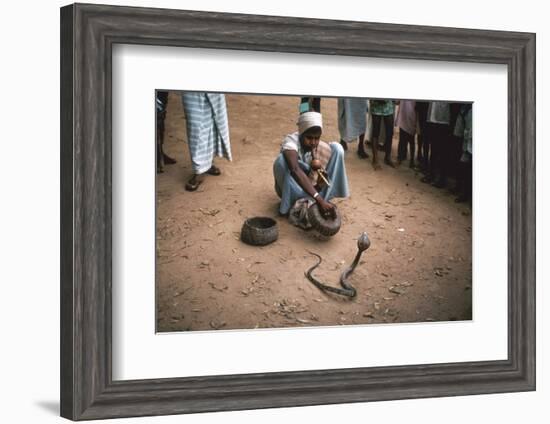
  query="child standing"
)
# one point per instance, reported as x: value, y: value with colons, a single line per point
x: 406, y: 121
x: 382, y: 114
x: 438, y: 121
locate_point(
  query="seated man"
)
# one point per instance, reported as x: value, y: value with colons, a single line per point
x: 295, y: 178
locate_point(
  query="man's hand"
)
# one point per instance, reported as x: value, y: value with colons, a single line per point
x: 327, y: 209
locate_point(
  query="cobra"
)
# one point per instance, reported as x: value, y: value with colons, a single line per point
x: 363, y: 243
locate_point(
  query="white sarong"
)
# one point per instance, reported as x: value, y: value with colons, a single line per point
x: 352, y: 118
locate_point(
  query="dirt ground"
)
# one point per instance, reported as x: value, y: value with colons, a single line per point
x: 418, y: 268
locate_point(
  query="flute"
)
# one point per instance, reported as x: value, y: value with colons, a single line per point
x: 322, y: 174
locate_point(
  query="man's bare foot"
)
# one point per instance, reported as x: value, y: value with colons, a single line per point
x: 389, y: 162
x: 362, y: 154
x: 376, y: 165
x: 194, y: 182
x: 344, y: 144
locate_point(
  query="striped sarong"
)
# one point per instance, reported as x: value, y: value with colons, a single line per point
x: 207, y: 129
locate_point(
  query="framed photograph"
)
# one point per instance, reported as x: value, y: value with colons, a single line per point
x: 258, y: 212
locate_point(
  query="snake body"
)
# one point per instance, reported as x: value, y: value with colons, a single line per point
x: 347, y: 289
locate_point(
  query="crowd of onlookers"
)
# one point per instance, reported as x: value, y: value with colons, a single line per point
x: 435, y: 137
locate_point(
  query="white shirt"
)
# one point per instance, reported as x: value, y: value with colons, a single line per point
x: 292, y: 142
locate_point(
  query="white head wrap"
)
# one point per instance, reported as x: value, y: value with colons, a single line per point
x: 308, y: 120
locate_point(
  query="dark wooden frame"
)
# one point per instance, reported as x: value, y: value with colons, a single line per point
x: 88, y: 33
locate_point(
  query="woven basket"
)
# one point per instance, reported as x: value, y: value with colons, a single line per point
x: 259, y: 231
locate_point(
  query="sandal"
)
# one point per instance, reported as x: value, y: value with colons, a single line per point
x: 168, y: 160
x: 214, y: 170
x: 194, y: 182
